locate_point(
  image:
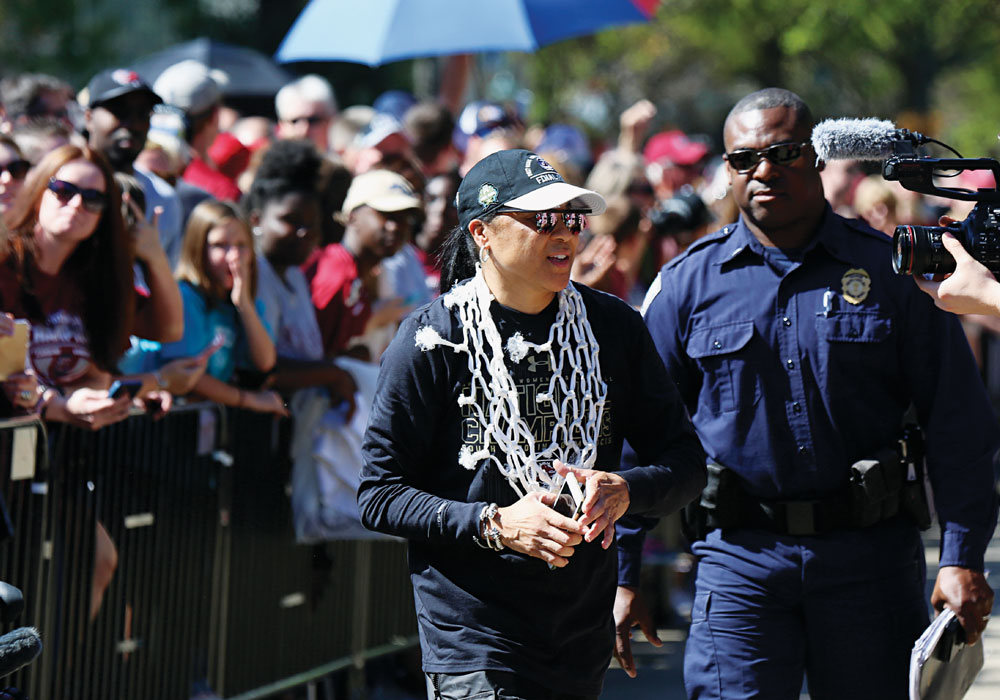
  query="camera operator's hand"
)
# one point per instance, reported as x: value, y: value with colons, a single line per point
x: 970, y: 289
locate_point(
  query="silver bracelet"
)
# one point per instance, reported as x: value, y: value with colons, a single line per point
x: 489, y: 532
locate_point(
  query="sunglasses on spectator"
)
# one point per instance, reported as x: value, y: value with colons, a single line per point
x: 93, y: 200
x: 575, y: 220
x: 312, y: 120
x: 744, y: 160
x: 17, y: 169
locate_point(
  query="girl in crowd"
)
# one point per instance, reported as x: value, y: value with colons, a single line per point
x: 488, y: 399
x: 285, y: 212
x: 13, y: 169
x: 218, y: 281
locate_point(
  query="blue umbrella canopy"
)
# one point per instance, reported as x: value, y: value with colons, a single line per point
x: 382, y: 31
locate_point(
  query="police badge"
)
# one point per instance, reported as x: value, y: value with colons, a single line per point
x: 855, y: 285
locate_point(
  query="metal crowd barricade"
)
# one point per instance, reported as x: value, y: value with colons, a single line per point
x: 210, y: 585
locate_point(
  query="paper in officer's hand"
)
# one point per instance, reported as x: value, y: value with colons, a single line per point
x: 942, y: 665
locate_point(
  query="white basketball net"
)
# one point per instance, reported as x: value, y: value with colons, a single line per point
x: 576, y: 374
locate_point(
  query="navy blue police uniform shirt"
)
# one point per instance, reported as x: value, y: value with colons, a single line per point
x: 478, y: 609
x: 794, y: 370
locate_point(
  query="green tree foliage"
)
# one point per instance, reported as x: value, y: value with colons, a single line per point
x: 923, y: 61
x: 54, y: 36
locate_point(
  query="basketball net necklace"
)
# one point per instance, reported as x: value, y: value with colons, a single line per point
x: 576, y: 375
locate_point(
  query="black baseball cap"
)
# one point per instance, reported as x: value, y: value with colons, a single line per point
x: 115, y: 82
x: 519, y: 179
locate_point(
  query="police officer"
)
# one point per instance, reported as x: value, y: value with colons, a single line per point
x: 797, y: 352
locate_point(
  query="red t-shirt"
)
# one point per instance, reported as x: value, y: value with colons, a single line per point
x: 343, y: 306
x: 200, y: 174
x: 58, y: 350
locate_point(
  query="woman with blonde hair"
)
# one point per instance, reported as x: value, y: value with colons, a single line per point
x: 217, y: 272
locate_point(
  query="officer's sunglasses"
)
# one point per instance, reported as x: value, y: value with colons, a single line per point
x: 93, y: 200
x: 575, y: 220
x: 744, y: 160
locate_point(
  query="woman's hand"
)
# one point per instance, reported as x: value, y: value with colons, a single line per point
x: 86, y: 408
x: 156, y: 403
x: 531, y: 526
x: 264, y: 402
x: 21, y: 389
x: 145, y: 234
x: 182, y: 374
x: 606, y: 499
x: 239, y: 267
x: 6, y: 324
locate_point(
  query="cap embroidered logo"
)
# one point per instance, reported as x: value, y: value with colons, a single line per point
x: 487, y: 195
x: 534, y: 164
x: 125, y: 77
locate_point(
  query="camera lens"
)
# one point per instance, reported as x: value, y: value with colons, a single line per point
x: 917, y: 250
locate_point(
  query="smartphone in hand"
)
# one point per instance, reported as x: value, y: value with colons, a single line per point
x: 217, y: 342
x: 124, y: 387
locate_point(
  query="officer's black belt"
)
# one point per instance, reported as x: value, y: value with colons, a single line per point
x: 878, y: 489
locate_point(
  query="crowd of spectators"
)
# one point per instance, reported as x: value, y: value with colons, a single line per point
x: 149, y: 232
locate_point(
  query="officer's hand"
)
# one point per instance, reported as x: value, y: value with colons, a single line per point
x: 966, y: 593
x: 531, y: 526
x: 606, y: 499
x: 631, y: 611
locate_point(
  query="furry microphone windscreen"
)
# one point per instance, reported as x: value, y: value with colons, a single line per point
x: 854, y: 139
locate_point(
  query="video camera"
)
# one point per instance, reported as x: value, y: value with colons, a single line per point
x: 918, y: 249
x: 682, y: 213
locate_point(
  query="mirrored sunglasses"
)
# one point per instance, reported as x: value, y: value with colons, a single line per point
x: 17, y: 169
x: 93, y: 200
x: 744, y: 160
x: 575, y: 220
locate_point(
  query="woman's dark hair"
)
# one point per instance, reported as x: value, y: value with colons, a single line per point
x: 458, y: 256
x: 287, y: 167
x: 101, y: 265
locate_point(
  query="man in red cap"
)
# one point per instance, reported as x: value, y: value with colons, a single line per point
x: 672, y: 161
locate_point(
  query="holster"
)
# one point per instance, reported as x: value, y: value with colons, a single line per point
x: 881, y: 487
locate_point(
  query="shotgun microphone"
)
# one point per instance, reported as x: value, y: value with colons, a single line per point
x: 860, y: 139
